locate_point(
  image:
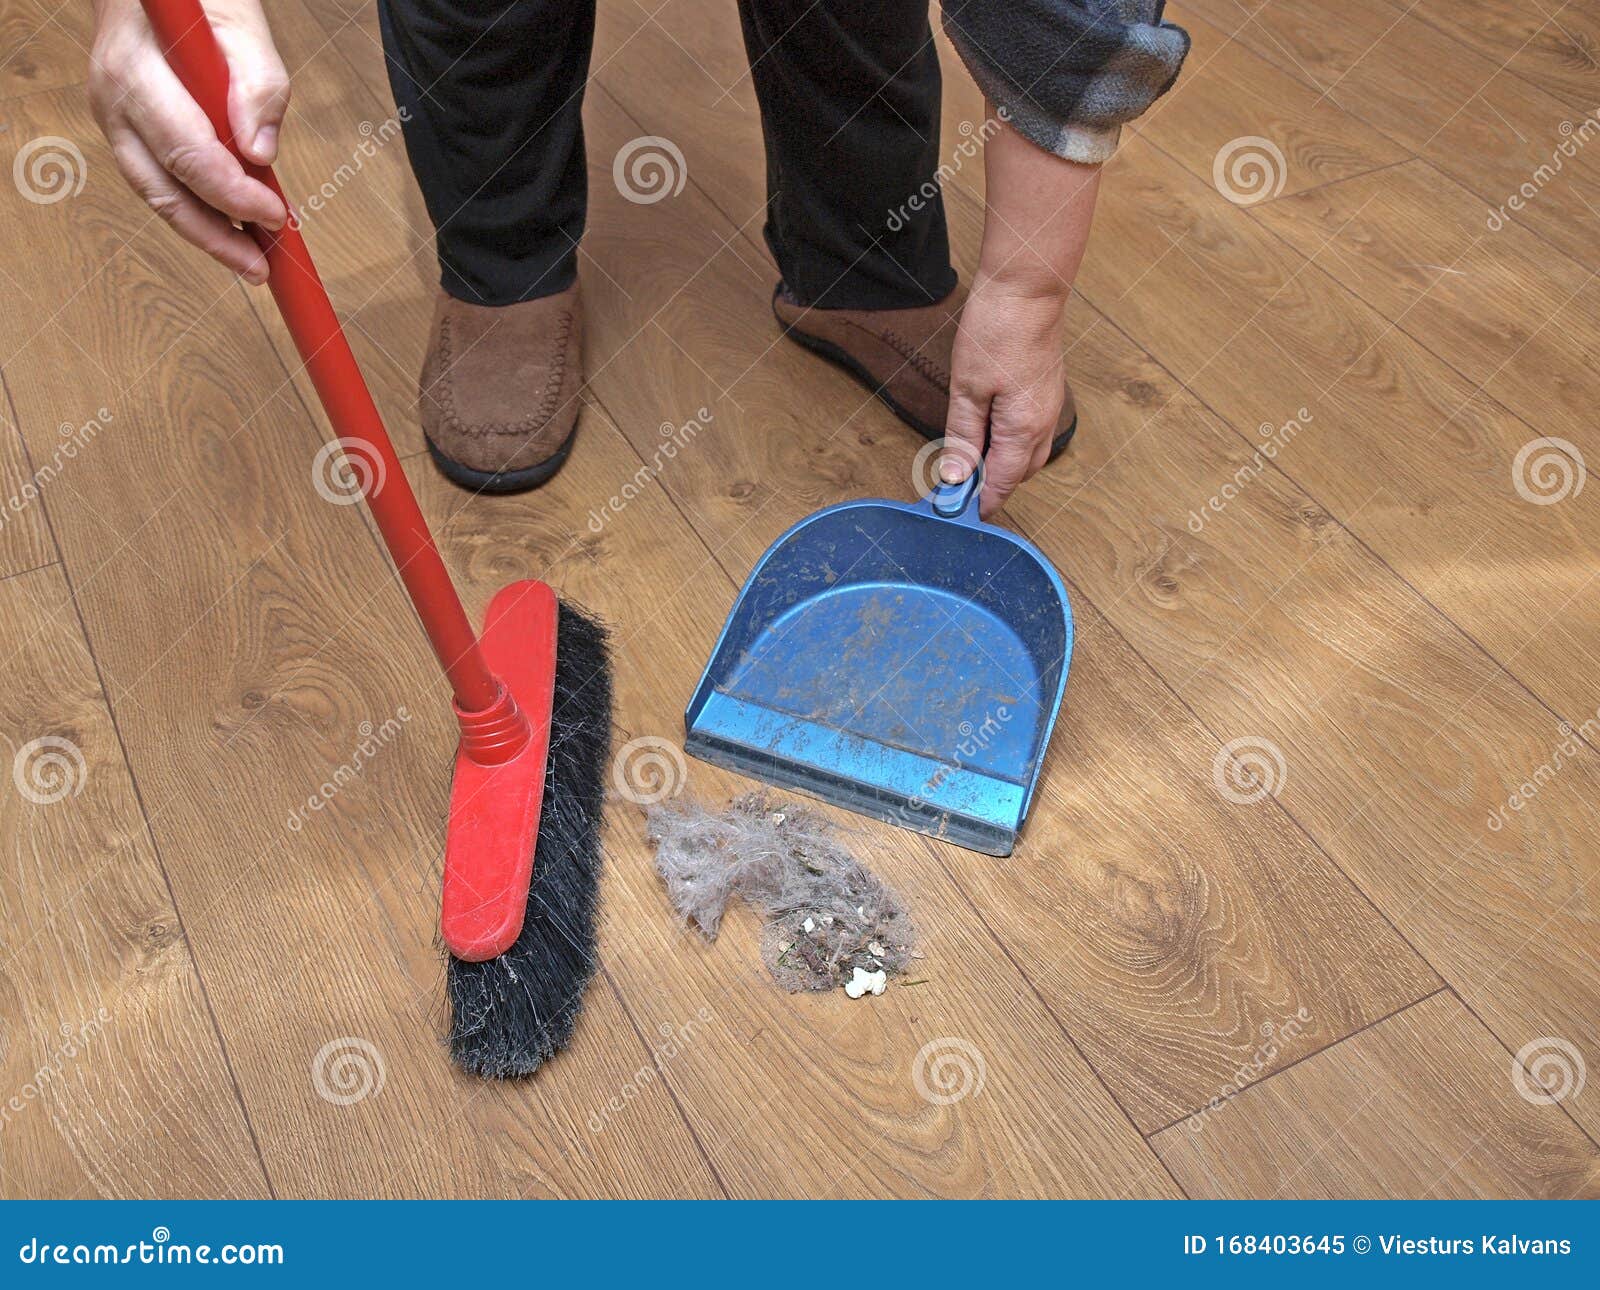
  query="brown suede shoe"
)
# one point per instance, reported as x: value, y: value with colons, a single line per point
x: 499, y: 390
x: 901, y: 355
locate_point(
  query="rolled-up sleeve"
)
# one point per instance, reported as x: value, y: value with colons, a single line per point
x: 1068, y: 74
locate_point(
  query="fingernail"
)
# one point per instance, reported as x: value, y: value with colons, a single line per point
x: 950, y: 472
x: 265, y: 146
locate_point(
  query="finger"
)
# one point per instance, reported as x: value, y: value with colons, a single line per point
x: 258, y: 84
x: 966, y: 429
x: 1005, y: 466
x: 1041, y: 455
x: 180, y: 137
x: 191, y: 218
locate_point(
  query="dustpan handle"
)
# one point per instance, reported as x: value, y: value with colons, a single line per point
x: 192, y: 51
x: 957, y: 502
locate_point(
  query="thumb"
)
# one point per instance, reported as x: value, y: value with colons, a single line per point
x: 258, y: 85
x: 966, y: 429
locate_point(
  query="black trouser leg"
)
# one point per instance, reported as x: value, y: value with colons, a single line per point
x: 491, y: 96
x: 849, y: 93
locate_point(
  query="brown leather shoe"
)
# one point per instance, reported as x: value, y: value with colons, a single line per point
x: 901, y: 355
x: 499, y: 390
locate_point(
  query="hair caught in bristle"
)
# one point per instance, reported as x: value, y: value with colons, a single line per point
x: 510, y: 1014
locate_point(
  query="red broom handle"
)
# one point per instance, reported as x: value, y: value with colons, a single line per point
x: 192, y: 50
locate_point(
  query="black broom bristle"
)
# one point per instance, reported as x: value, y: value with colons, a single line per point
x: 510, y: 1014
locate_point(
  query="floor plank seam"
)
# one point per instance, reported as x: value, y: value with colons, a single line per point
x: 1422, y: 14
x: 23, y: 573
x: 1050, y: 1012
x: 1398, y: 324
x: 1563, y: 1103
x: 138, y: 795
x: 1301, y: 192
x: 1445, y: 988
x: 666, y: 1080
x: 1288, y: 814
x: 1295, y: 73
x: 1421, y: 597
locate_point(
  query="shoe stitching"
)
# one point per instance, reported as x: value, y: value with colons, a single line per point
x: 921, y: 362
x: 450, y: 417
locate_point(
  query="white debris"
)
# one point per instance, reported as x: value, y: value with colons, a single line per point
x: 877, y: 951
x: 862, y: 983
x: 785, y: 946
x: 810, y: 925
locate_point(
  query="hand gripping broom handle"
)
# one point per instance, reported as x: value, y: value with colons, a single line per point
x: 192, y: 50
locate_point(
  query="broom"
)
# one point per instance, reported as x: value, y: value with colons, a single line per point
x: 532, y: 696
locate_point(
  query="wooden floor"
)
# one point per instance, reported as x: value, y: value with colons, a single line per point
x: 1349, y: 986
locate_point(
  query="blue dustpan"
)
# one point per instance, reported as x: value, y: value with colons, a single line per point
x: 902, y: 660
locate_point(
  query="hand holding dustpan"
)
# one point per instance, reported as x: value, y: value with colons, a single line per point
x: 902, y: 660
